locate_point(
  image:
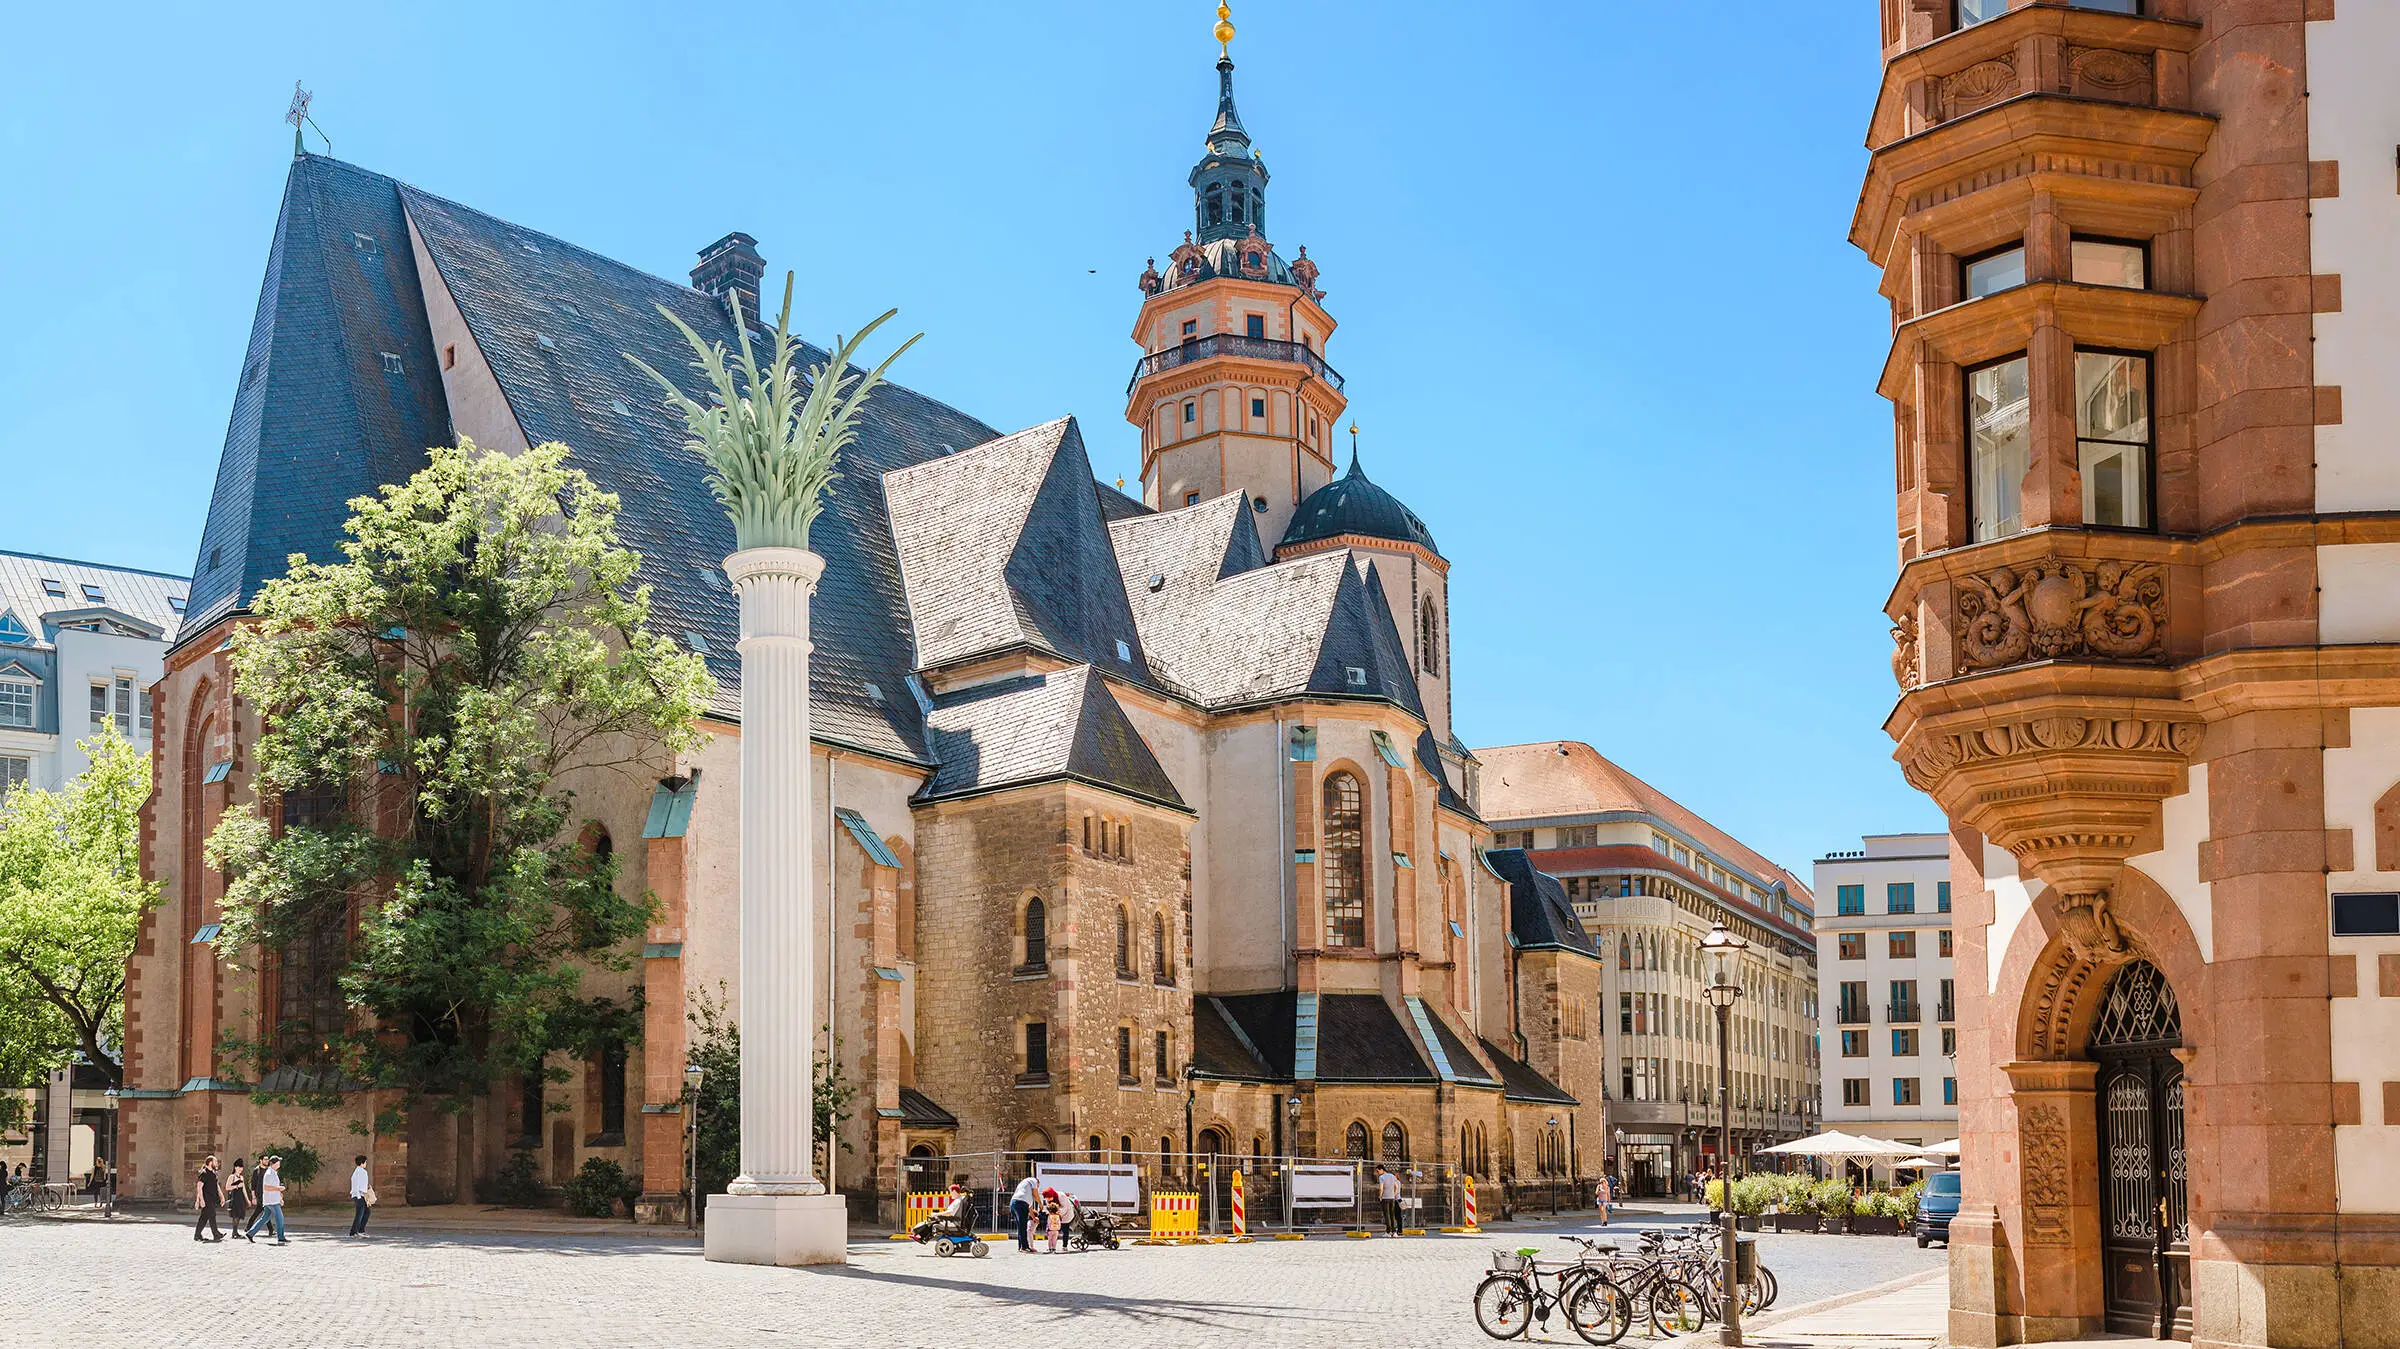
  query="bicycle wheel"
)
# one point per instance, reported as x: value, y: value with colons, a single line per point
x: 1766, y: 1278
x: 1677, y: 1308
x: 1504, y: 1306
x: 1600, y: 1312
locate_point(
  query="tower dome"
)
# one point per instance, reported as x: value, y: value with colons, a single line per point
x: 1351, y: 504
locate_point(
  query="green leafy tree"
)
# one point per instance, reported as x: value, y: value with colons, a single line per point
x: 831, y: 1103
x: 71, y: 904
x: 484, y: 638
x: 716, y: 1049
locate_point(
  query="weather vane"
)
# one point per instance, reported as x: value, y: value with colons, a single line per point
x: 298, y: 116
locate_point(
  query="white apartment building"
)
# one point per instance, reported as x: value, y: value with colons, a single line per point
x: 80, y: 646
x: 1889, y: 1015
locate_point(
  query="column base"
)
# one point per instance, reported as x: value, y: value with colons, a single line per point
x: 776, y: 1229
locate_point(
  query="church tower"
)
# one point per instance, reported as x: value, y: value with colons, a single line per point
x: 1233, y: 393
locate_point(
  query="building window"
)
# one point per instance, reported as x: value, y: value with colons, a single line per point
x: 1949, y: 1091
x: 1161, y: 970
x: 1037, y: 1051
x: 1904, y: 1042
x: 1948, y: 1009
x: 14, y: 633
x: 1904, y: 945
x: 1161, y: 1058
x: 1254, y: 325
x: 1214, y: 205
x: 1941, y: 897
x: 2109, y: 262
x: 1850, y: 900
x: 1429, y: 639
x: 16, y: 702
x: 1395, y: 1144
x: 1942, y: 943
x: 2001, y: 269
x: 1354, y: 1141
x: 1999, y: 447
x: 1900, y: 897
x: 1125, y: 1077
x: 1345, y: 859
x: 1037, y: 936
x: 1854, y: 1091
x: 1949, y: 1042
x: 2112, y: 437
x: 1191, y: 413
x: 612, y: 1092
x: 1853, y: 945
x: 1904, y: 1091
x: 1124, y: 943
x: 1904, y: 1000
x: 1258, y: 408
x: 1579, y: 836
x: 1854, y: 1044
x: 15, y: 770
x: 1191, y: 328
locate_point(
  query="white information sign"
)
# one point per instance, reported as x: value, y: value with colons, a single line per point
x: 1104, y: 1187
x: 1324, y: 1186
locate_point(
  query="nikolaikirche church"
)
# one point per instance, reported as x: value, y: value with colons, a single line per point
x: 1145, y: 827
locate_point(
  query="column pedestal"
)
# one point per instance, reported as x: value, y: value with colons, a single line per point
x: 777, y: 1229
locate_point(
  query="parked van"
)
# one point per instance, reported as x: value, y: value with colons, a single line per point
x: 1936, y: 1206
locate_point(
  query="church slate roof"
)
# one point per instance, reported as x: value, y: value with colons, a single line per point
x: 1359, y: 1039
x: 1520, y: 1082
x: 516, y: 287
x: 1225, y: 627
x: 1539, y: 913
x: 1222, y: 1049
x: 1351, y: 504
x: 1036, y: 728
x: 1003, y: 546
x: 338, y: 393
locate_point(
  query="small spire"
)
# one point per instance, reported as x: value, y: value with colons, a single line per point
x: 1353, y: 451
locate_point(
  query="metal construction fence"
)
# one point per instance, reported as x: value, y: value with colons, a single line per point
x: 1279, y: 1194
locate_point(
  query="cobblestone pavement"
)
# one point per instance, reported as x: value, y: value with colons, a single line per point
x: 94, y: 1285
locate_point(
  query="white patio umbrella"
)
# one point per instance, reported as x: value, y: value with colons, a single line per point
x: 1834, y: 1147
x: 1922, y: 1164
x: 1949, y: 1149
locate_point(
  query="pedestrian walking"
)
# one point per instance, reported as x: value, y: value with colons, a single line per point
x: 362, y: 1197
x: 1020, y: 1210
x: 237, y: 1195
x: 1603, y: 1195
x: 206, y: 1195
x: 1387, y: 1188
x: 270, y: 1200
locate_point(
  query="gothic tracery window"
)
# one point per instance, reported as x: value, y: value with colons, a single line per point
x: 1345, y: 858
x: 1429, y: 640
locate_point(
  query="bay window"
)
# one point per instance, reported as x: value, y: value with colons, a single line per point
x: 1999, y: 447
x: 2001, y: 269
x: 2112, y: 437
x: 2109, y: 262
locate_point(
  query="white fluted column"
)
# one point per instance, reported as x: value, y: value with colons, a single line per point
x: 776, y: 1211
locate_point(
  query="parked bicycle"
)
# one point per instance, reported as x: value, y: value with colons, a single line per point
x: 1518, y: 1291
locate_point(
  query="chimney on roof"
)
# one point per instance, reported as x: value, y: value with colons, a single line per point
x: 732, y: 264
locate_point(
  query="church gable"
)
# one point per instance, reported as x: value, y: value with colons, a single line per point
x: 1036, y: 728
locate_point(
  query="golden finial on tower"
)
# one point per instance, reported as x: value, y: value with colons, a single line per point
x: 1224, y: 30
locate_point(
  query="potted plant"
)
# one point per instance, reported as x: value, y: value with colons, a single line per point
x: 1832, y: 1202
x: 1750, y: 1197
x: 1870, y: 1215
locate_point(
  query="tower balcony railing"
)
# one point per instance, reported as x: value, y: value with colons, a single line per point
x: 1232, y: 344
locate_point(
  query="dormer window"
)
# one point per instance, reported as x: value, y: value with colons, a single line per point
x: 12, y: 632
x: 94, y: 593
x: 54, y: 588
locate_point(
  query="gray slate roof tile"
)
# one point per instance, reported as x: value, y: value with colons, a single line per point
x: 1035, y: 728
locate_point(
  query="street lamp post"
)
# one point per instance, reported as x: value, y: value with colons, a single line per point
x: 1722, y: 951
x: 691, y: 1130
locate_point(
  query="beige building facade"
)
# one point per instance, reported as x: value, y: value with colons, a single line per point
x: 1648, y: 878
x: 2148, y: 647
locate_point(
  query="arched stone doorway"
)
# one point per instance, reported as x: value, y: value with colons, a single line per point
x: 2140, y: 1090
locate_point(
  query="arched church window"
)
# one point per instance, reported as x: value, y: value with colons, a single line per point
x: 1395, y: 1143
x: 1037, y: 935
x: 1345, y: 859
x: 1624, y: 952
x: 1355, y: 1145
x: 1124, y: 944
x: 1429, y: 640
x: 1158, y: 947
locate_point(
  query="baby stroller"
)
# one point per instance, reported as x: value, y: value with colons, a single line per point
x: 1092, y: 1230
x: 949, y: 1237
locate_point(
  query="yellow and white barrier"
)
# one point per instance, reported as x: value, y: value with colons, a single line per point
x: 1174, y: 1215
x: 920, y: 1205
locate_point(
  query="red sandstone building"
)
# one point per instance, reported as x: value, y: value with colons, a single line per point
x: 2140, y: 260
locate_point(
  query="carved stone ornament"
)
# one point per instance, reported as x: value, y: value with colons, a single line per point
x: 1940, y: 755
x: 1979, y: 85
x: 1304, y: 274
x: 1152, y: 282
x: 2058, y: 607
x: 2090, y: 930
x: 1252, y: 260
x: 1904, y: 652
x: 2042, y: 1141
x: 2105, y: 72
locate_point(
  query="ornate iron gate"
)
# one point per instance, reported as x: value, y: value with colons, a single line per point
x: 2143, y: 1236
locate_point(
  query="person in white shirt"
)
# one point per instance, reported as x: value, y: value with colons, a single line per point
x: 1020, y: 1210
x: 270, y: 1200
x: 361, y: 1197
x: 1387, y: 1188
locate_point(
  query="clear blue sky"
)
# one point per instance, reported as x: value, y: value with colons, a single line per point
x: 1600, y: 323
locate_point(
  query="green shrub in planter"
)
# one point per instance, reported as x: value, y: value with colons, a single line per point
x: 1751, y: 1195
x: 1716, y: 1195
x: 1832, y: 1198
x: 595, y: 1190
